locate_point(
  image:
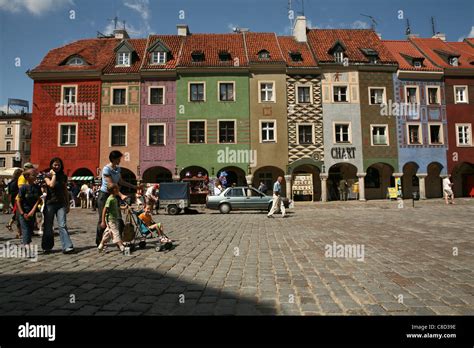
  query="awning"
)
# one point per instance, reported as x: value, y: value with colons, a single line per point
x: 8, y: 173
x: 82, y: 178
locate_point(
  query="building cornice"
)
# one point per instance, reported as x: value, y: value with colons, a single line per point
x: 424, y: 75
x: 65, y: 75
x: 207, y: 70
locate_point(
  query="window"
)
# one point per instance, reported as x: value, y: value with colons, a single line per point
x: 379, y: 135
x: 75, y: 61
x: 197, y: 56
x: 23, y: 131
x: 226, y: 91
x: 69, y: 94
x: 123, y: 58
x: 226, y: 131
x: 119, y: 96
x: 340, y: 94
x: 433, y: 95
x: 296, y: 56
x: 464, y: 134
x: 373, y: 59
x: 9, y: 131
x: 339, y: 57
x: 417, y: 63
x: 460, y: 94
x: 156, y: 135
x: 267, y: 131
x: 196, y: 92
x: 263, y: 54
x: 3, y: 162
x: 158, y: 58
x: 377, y: 96
x: 453, y: 61
x: 411, y: 95
x: 305, y: 134
x: 436, y: 134
x: 197, y: 132
x: 67, y: 134
x: 224, y: 56
x: 235, y: 192
x: 414, y: 134
x: 8, y: 146
x: 118, y: 135
x: 304, y: 94
x: 342, y: 133
x: 156, y: 95
x: 266, y: 92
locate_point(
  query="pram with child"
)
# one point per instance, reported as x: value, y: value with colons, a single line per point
x: 139, y: 227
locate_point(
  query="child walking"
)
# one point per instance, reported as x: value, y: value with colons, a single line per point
x: 27, y: 202
x: 110, y: 219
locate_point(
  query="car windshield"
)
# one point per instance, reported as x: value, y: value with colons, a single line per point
x: 251, y: 192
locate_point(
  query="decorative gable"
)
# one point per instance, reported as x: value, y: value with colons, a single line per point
x: 158, y: 46
x: 125, y: 54
x: 451, y: 58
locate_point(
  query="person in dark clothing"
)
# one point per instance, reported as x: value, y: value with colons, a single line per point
x: 57, y: 204
x: 28, y: 198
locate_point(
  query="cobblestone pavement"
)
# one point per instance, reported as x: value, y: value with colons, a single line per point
x: 416, y: 261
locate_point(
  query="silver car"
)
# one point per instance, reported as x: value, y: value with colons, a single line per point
x: 241, y: 198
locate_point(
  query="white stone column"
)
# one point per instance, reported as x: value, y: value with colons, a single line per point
x: 289, y: 194
x: 361, y: 177
x: 324, y: 188
x: 421, y: 180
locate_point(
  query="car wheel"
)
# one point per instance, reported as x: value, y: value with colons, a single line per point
x: 173, y: 209
x: 224, y: 208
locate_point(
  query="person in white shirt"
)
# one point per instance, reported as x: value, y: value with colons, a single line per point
x: 217, y: 188
x: 448, y: 190
x: 151, y: 196
x: 89, y: 194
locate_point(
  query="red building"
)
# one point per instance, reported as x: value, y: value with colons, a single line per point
x: 457, y: 61
x: 66, y: 107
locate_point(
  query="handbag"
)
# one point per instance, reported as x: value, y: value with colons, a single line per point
x: 128, y: 228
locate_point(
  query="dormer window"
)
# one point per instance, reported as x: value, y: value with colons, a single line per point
x: 76, y: 61
x: 263, y: 54
x: 339, y: 56
x: 197, y: 56
x: 453, y: 61
x: 371, y: 54
x: 224, y: 56
x: 417, y: 63
x: 296, y: 56
x: 123, y: 58
x: 158, y: 57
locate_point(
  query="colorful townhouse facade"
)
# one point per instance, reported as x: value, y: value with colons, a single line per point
x: 304, y: 114
x: 457, y: 61
x: 158, y: 109
x: 258, y: 106
x: 212, y: 117
x: 422, y: 124
x: 66, y: 119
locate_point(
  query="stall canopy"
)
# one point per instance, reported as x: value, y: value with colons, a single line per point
x: 82, y: 178
x: 8, y: 173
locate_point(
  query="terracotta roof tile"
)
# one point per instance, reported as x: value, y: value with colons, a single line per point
x: 257, y: 42
x: 139, y: 45
x: 402, y: 49
x: 354, y: 40
x: 172, y: 42
x: 432, y: 47
x: 211, y: 45
x: 289, y: 45
x: 96, y: 52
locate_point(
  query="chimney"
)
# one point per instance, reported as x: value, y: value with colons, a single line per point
x: 441, y: 36
x: 121, y: 34
x: 299, y: 30
x: 183, y: 30
x: 379, y: 35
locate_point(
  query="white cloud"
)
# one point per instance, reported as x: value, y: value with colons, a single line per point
x: 35, y: 7
x: 143, y: 9
x: 4, y: 108
x: 359, y: 25
x: 470, y: 35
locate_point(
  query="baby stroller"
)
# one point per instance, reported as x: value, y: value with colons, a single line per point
x: 136, y: 231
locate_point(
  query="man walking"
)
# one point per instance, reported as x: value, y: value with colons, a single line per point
x: 277, y: 203
x: 448, y: 190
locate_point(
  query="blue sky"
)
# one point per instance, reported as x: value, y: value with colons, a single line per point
x: 30, y: 28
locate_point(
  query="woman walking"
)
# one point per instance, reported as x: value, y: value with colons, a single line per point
x: 57, y: 204
x: 110, y: 174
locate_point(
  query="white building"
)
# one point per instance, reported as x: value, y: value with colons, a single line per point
x: 15, y: 140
